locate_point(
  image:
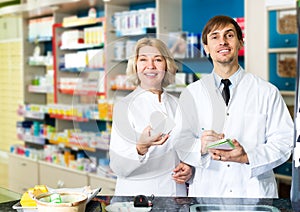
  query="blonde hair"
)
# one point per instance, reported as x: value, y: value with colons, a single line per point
x: 163, y: 49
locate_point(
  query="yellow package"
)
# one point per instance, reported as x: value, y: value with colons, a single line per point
x: 27, y: 200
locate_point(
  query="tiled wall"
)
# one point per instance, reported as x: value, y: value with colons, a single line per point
x: 11, y: 87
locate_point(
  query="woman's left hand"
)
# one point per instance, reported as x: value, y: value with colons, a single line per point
x: 182, y: 173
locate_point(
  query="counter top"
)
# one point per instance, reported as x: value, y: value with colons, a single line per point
x: 183, y: 204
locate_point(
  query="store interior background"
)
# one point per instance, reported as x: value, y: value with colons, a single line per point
x: 195, y: 14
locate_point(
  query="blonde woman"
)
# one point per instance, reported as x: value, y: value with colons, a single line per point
x: 145, y: 161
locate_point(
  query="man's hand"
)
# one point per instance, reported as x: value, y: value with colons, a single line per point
x: 238, y: 154
x: 209, y: 136
x: 182, y: 173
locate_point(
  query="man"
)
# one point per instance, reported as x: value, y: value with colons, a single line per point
x: 252, y: 114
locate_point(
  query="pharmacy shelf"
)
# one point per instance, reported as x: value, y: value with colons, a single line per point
x: 69, y: 118
x: 74, y: 146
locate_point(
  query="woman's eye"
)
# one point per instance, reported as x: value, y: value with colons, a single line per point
x: 142, y: 59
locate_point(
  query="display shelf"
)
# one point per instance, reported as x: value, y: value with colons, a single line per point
x: 119, y: 88
x: 282, y: 67
x: 281, y: 7
x: 74, y: 21
x: 81, y: 92
x: 69, y: 118
x: 40, y: 61
x: 288, y: 93
x: 282, y: 51
x: 165, y: 22
x: 58, y: 53
x: 34, y: 115
x: 32, y: 139
x: 95, y: 116
x: 40, y: 39
x: 40, y: 89
x: 282, y: 27
x: 75, y: 146
x: 80, y: 70
x: 34, y: 94
x: 80, y: 46
x: 136, y: 32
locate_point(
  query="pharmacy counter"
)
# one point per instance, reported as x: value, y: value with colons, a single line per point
x: 186, y: 204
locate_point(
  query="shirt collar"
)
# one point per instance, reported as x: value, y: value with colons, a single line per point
x: 234, y: 79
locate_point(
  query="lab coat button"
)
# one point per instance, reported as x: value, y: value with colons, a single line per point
x: 227, y: 114
x: 228, y: 165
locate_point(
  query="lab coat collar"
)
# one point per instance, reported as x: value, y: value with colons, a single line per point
x: 234, y: 79
x: 141, y: 91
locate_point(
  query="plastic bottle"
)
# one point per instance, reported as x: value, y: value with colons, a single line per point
x: 102, y: 108
x: 92, y: 12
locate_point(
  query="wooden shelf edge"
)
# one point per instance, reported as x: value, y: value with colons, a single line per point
x: 282, y: 50
x: 281, y: 7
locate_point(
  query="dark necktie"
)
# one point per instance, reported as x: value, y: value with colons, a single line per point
x: 226, y: 92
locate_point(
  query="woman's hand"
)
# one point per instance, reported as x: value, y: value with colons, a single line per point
x: 182, y: 173
x: 238, y: 154
x: 147, y: 140
x: 209, y: 136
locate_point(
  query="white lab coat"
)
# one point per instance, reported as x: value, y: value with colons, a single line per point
x: 152, y: 173
x: 257, y: 117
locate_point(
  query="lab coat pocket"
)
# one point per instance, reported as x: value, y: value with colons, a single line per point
x: 262, y: 187
x: 254, y: 127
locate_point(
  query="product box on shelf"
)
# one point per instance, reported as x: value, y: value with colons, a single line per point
x: 283, y: 68
x: 282, y: 28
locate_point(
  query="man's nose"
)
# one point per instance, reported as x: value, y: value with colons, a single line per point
x: 223, y: 40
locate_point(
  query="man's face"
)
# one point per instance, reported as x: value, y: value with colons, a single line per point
x: 223, y: 45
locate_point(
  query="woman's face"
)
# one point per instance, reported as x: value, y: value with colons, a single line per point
x: 151, y: 67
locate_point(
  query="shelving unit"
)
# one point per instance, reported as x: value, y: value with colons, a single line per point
x: 64, y: 94
x: 282, y: 40
x: 36, y: 45
x: 37, y: 73
x: 165, y: 20
x: 65, y: 100
x: 79, y: 86
x: 282, y: 51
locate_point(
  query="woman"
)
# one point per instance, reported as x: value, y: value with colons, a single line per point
x: 146, y: 162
